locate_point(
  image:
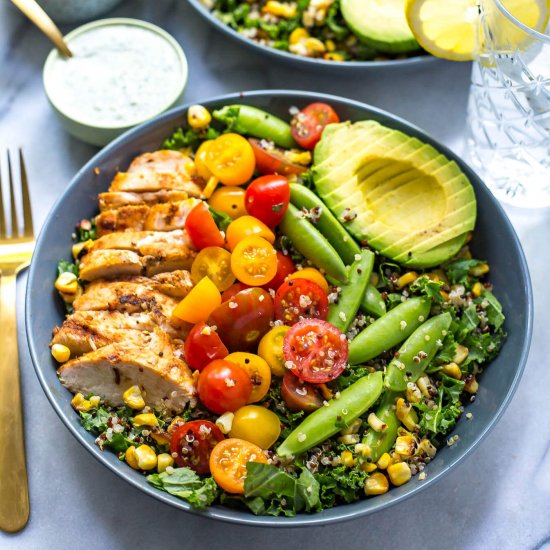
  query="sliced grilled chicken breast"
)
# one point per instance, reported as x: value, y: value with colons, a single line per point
x: 164, y: 161
x: 117, y: 199
x: 147, y: 182
x: 106, y: 264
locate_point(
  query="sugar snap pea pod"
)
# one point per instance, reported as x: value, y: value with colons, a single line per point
x: 308, y: 241
x: 417, y: 352
x: 354, y: 401
x: 342, y: 314
x: 251, y: 121
x: 327, y: 223
x: 372, y: 302
x: 388, y: 331
x: 382, y: 442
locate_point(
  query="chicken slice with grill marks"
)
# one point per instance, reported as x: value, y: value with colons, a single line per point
x: 149, y: 361
x: 164, y: 161
x: 117, y: 199
x: 106, y: 264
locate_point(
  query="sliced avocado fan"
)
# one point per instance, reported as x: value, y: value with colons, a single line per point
x: 395, y: 192
x: 381, y: 24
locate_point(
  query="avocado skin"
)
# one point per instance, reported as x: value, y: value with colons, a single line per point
x: 413, y: 204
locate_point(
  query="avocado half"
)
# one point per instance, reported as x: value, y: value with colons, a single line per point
x: 380, y: 24
x: 412, y: 203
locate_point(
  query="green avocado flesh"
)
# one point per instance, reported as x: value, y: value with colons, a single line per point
x: 413, y: 204
x: 380, y: 24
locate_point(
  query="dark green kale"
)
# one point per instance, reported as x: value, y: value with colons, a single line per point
x: 86, y: 230
x: 183, y: 138
x: 340, y: 484
x: 348, y: 377
x: 63, y: 266
x: 424, y: 286
x: 457, y: 271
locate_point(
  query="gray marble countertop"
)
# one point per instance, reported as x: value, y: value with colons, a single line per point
x: 498, y: 498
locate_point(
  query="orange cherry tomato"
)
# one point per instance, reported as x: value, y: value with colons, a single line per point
x: 197, y: 306
x: 202, y: 228
x: 231, y: 159
x: 311, y: 274
x: 228, y: 461
x: 245, y: 226
x: 229, y: 200
x: 254, y: 261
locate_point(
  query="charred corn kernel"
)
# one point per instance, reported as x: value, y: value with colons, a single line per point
x: 479, y: 270
x: 297, y: 35
x: 461, y: 353
x: 477, y: 289
x: 175, y: 424
x: 444, y: 295
x: 146, y: 457
x: 347, y: 459
x: 406, y: 279
x: 368, y: 467
x: 280, y: 9
x: 384, y: 461
x: 424, y: 385
x: 67, y: 283
x: 363, y: 450
x: 330, y: 45
x: 405, y: 445
x: 198, y: 117
x: 406, y: 414
x: 148, y: 419
x: 131, y: 458
x: 313, y: 46
x: 225, y: 422
x: 452, y: 370
x: 210, y: 187
x: 160, y: 437
x: 133, y: 398
x: 413, y: 393
x: 163, y: 461
x: 299, y: 157
x: 326, y: 392
x: 80, y: 404
x: 426, y: 448
x: 376, y: 484
x: 78, y: 249
x: 61, y: 353
x: 375, y: 423
x: 399, y: 473
x: 94, y: 401
x: 349, y: 439
x: 353, y: 428
x: 470, y: 384
x: 333, y: 56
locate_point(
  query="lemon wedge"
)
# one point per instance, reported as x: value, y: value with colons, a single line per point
x: 448, y: 28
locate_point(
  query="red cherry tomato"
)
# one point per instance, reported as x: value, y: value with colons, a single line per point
x: 317, y: 350
x: 202, y: 228
x: 273, y: 161
x: 244, y: 319
x: 224, y: 386
x: 202, y: 346
x: 192, y: 443
x: 299, y: 395
x: 267, y: 199
x: 232, y: 290
x: 300, y: 299
x: 285, y: 267
x: 308, y: 125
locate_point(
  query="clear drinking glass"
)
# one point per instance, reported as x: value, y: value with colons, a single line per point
x: 509, y: 104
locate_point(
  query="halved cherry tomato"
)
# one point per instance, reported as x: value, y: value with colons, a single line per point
x: 224, y: 386
x: 273, y: 161
x: 299, y: 395
x: 228, y: 462
x: 316, y: 350
x: 231, y: 159
x: 257, y: 369
x: 244, y: 319
x: 200, y: 161
x: 246, y: 226
x: 300, y: 299
x: 254, y: 261
x: 229, y: 200
x: 202, y: 228
x: 271, y: 349
x: 201, y: 301
x: 285, y: 266
x: 232, y: 290
x: 257, y: 425
x: 311, y: 274
x: 267, y: 199
x: 308, y: 125
x: 213, y: 262
x: 202, y: 346
x: 192, y: 443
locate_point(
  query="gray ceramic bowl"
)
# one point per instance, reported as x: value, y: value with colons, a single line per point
x: 308, y: 62
x: 495, y: 240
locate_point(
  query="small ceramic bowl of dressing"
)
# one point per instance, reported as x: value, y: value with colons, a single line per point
x: 122, y: 73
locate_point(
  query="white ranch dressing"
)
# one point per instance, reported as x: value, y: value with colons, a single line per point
x: 119, y: 75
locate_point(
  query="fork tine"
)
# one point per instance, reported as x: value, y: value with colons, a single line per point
x: 2, y: 212
x: 14, y: 220
x: 27, y: 212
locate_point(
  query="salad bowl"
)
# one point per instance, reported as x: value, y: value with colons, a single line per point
x: 495, y: 242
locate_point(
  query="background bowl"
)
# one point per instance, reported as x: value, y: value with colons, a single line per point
x: 495, y: 241
x: 307, y: 62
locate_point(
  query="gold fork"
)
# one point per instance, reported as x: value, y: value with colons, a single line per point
x: 15, y: 254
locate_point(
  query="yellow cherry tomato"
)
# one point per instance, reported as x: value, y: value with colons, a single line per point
x: 271, y: 349
x: 200, y: 161
x: 245, y: 226
x: 254, y: 261
x: 231, y: 159
x: 257, y: 369
x: 215, y: 263
x: 311, y: 274
x: 197, y: 306
x: 256, y: 425
x: 229, y: 200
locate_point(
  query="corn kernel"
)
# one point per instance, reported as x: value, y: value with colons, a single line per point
x: 314, y: 46
x: 413, y: 393
x: 210, y: 187
x: 406, y: 414
x: 198, y: 117
x: 297, y: 35
x: 384, y: 461
x: 148, y: 419
x: 368, y: 467
x: 426, y: 448
x: 333, y: 56
x: 375, y: 423
x: 133, y: 398
x: 61, y: 353
x: 94, y: 401
x: 461, y: 354
x: 67, y: 283
x: 349, y: 439
x: 399, y: 473
x: 479, y: 270
x: 444, y: 295
x: 330, y: 45
x: 405, y: 445
x: 79, y: 248
x: 353, y: 428
x: 374, y: 278
x: 470, y: 384
x: 163, y: 461
x: 376, y: 484
x: 175, y: 424
x: 299, y: 157
x: 131, y: 458
x: 145, y: 457
x: 225, y: 422
x: 424, y: 385
x: 406, y: 279
x: 477, y: 289
x: 80, y: 404
x: 160, y: 437
x: 347, y: 459
x: 452, y: 370
x: 280, y: 9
